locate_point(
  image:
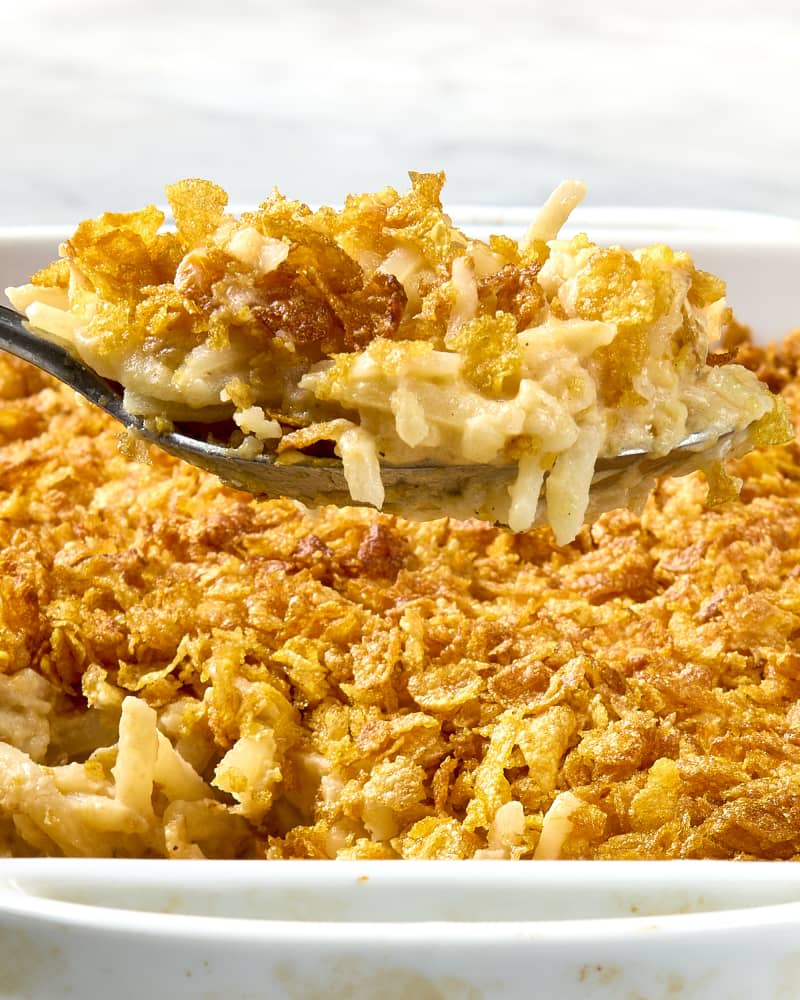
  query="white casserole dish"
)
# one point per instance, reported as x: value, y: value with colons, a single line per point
x: 431, y: 930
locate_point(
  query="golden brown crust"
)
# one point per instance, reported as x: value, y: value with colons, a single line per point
x: 320, y: 297
x: 516, y: 291
x: 651, y: 668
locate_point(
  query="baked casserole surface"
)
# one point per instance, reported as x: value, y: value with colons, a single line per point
x: 186, y: 671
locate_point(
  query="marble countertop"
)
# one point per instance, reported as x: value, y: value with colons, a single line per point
x: 692, y: 103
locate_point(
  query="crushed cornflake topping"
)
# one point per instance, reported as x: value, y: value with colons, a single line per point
x: 188, y: 673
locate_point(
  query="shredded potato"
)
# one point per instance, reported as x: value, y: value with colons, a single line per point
x: 188, y: 673
x: 541, y: 356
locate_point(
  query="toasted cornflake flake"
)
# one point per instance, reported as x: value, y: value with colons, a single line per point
x: 514, y: 290
x: 55, y: 275
x: 394, y: 797
x: 301, y: 657
x: 359, y: 226
x: 705, y: 288
x: 197, y: 207
x: 442, y: 839
x: 446, y: 687
x: 491, y: 787
x: 505, y: 247
x: 117, y: 263
x: 418, y: 218
x: 491, y: 352
x: 167, y: 316
x: 658, y: 801
x: 611, y: 288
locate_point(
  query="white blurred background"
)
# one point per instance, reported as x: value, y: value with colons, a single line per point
x: 687, y: 102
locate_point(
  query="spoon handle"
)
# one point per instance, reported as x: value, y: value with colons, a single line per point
x: 16, y: 338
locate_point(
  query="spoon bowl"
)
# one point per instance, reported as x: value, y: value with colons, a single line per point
x: 422, y: 491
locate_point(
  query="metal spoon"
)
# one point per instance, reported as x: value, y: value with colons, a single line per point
x: 425, y: 490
